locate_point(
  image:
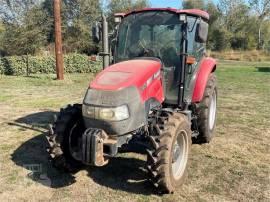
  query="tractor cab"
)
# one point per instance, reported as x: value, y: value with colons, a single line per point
x: 168, y: 35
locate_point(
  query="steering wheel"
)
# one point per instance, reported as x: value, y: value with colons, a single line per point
x: 150, y: 52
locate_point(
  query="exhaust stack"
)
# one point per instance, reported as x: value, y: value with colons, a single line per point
x: 105, y: 42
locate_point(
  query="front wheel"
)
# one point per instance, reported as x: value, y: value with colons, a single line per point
x: 64, y: 138
x: 207, y: 111
x: 167, y: 162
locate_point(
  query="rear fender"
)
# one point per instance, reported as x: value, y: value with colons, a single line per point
x: 207, y: 66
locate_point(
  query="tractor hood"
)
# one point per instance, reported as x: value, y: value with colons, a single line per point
x: 126, y: 74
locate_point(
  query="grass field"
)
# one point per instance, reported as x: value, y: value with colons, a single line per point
x: 251, y: 55
x: 234, y: 167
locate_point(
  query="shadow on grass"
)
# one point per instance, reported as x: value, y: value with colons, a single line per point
x: 39, y: 119
x: 32, y: 156
x: 263, y: 69
x: 36, y: 122
x: 126, y: 174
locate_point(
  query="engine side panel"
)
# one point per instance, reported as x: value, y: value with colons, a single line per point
x: 207, y: 66
x: 153, y: 89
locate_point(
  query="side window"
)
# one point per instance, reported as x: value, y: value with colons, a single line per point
x: 194, y: 48
x: 191, y: 34
x: 122, y: 35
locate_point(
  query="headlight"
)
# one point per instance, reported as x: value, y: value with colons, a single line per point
x: 110, y: 114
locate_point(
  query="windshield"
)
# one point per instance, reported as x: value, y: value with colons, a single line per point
x: 150, y: 34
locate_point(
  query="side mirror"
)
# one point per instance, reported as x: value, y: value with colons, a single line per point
x: 201, y: 32
x: 96, y: 32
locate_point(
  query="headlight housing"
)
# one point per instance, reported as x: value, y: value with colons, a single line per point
x: 106, y: 113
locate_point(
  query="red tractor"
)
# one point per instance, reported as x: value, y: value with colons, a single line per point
x: 159, y: 93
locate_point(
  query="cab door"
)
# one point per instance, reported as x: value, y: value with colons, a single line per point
x: 196, y: 50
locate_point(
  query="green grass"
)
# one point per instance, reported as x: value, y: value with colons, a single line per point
x: 234, y: 167
x: 42, y: 90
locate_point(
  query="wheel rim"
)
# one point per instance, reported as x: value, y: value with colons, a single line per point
x: 180, y: 154
x: 74, y: 142
x: 212, y: 111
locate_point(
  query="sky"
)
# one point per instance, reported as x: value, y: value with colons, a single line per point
x: 167, y: 3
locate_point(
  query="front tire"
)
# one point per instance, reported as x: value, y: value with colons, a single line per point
x: 64, y: 138
x: 206, y: 111
x: 167, y: 161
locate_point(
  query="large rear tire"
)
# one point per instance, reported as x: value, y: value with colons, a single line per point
x: 167, y: 161
x: 64, y: 138
x: 206, y: 111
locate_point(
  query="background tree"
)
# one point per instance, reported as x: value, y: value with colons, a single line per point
x: 29, y: 25
x: 13, y: 11
x: 26, y: 26
x: 2, y: 31
x: 116, y: 6
x: 262, y: 10
x: 216, y: 35
x: 238, y: 22
x: 26, y: 34
x: 189, y: 4
x: 78, y: 20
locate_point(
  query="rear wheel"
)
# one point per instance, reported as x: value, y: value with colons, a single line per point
x: 64, y: 138
x: 206, y: 111
x: 167, y: 160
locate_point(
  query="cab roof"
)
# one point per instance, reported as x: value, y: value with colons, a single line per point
x: 193, y: 12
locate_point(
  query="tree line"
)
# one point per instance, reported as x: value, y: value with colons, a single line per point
x: 27, y: 26
x: 236, y: 24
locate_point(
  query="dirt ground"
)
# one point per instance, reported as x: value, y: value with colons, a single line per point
x: 234, y: 167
